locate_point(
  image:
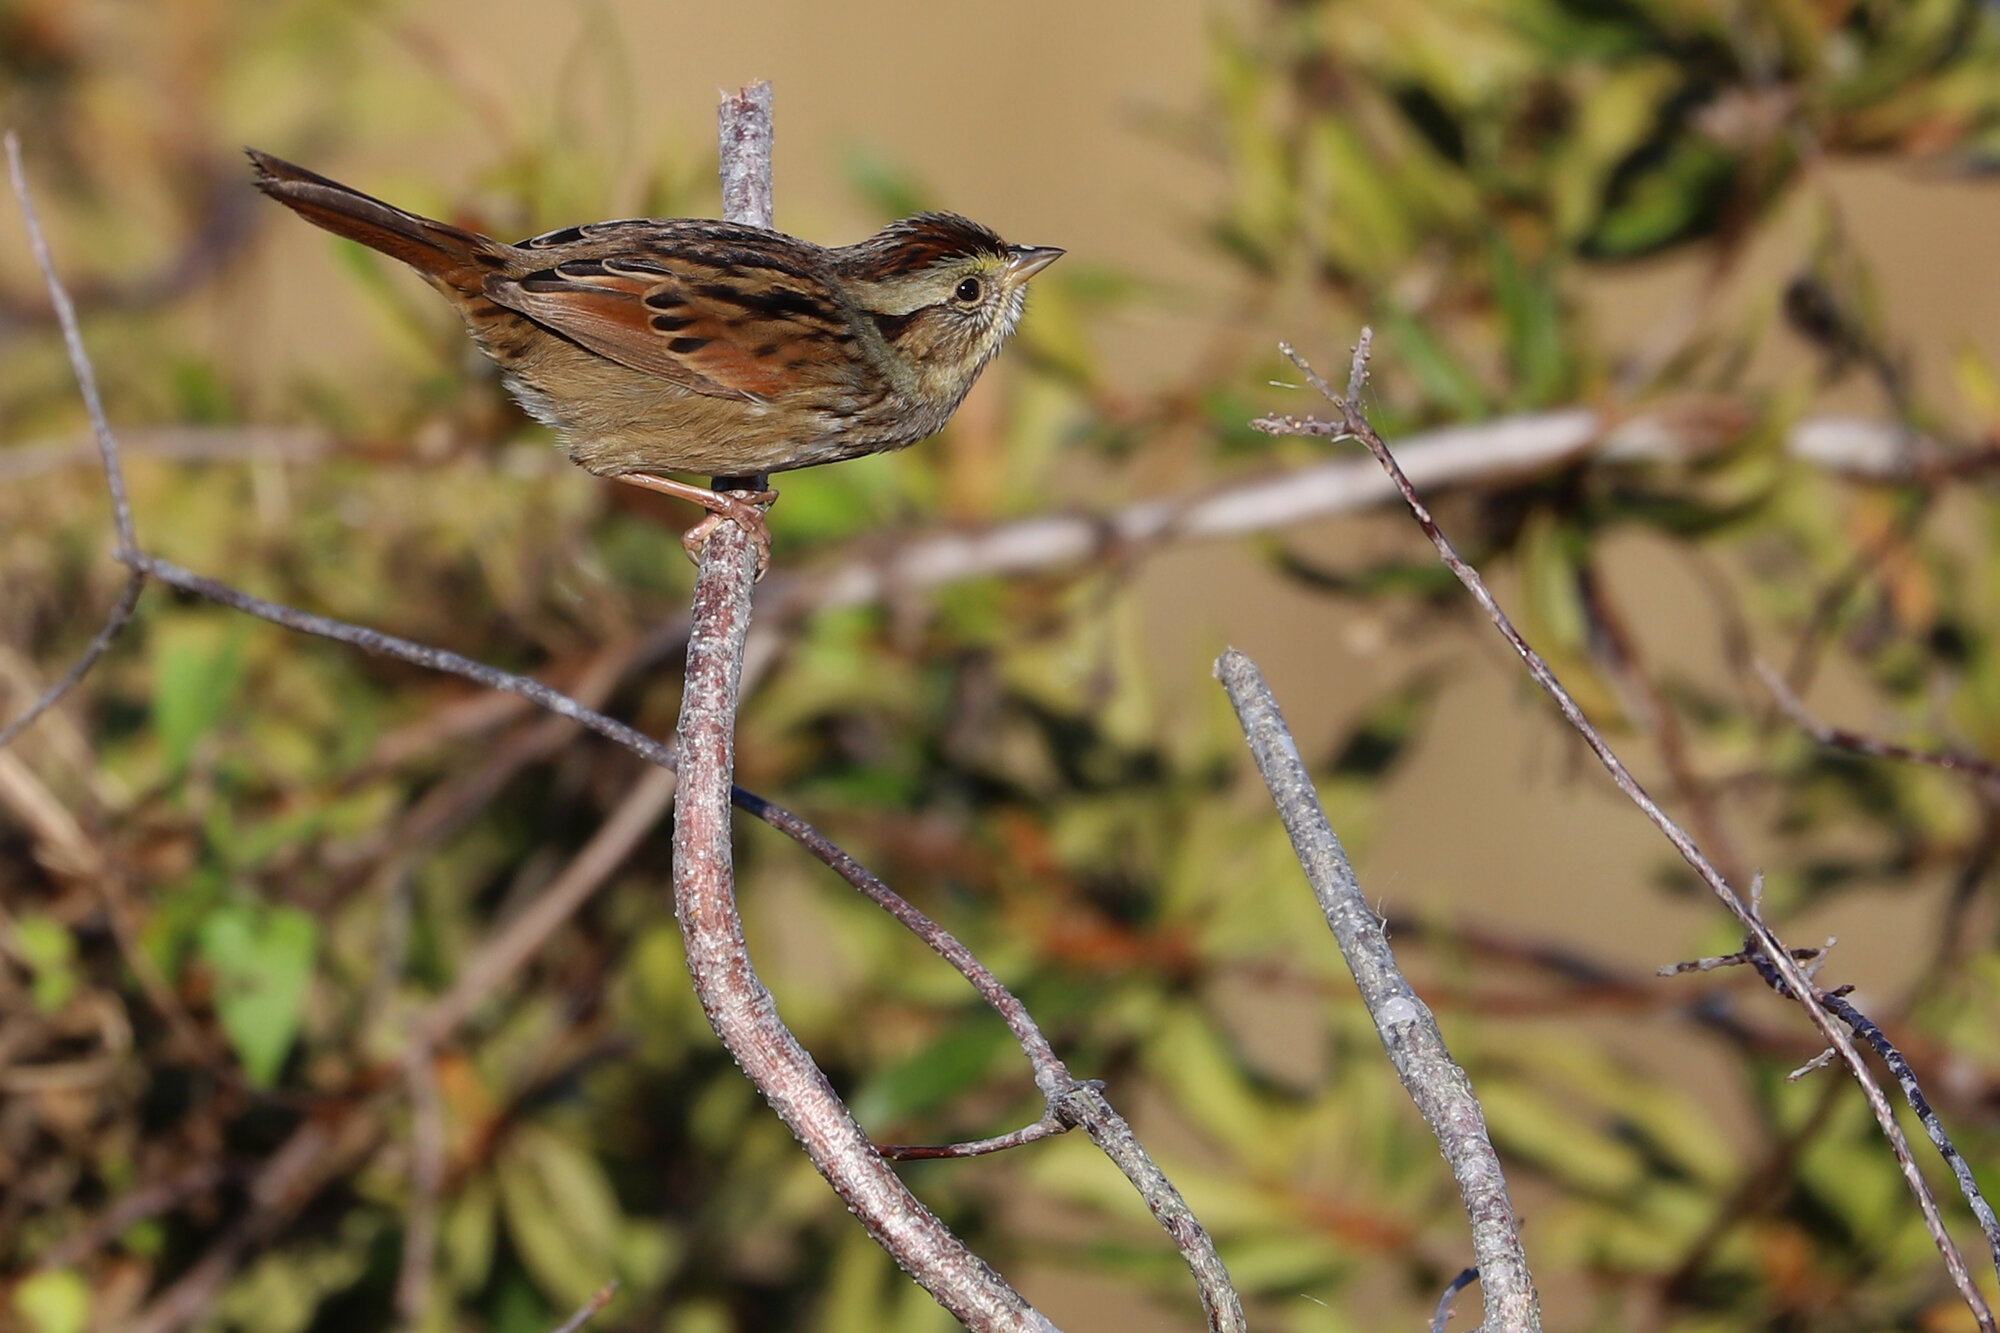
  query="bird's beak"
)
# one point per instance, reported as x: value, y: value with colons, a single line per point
x: 1025, y: 261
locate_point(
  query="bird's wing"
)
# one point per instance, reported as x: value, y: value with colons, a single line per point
x: 716, y: 328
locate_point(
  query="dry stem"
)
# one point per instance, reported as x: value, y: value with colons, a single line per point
x: 1353, y: 424
x: 1408, y: 1030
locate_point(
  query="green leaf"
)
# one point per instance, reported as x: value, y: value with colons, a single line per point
x: 49, y: 949
x: 888, y: 186
x: 1532, y: 324
x: 263, y: 963
x: 1584, y: 1154
x: 56, y: 1301
x: 197, y: 673
x: 1665, y: 202
x: 959, y: 1058
x: 1613, y: 118
x: 466, y: 1238
x: 1382, y: 736
x: 561, y: 1212
x: 1447, y: 382
x: 1552, y: 552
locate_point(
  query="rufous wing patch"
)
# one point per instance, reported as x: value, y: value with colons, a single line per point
x: 628, y: 314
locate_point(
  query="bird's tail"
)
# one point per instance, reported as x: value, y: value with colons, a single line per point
x: 449, y: 256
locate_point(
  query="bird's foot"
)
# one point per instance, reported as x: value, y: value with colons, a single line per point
x: 745, y: 508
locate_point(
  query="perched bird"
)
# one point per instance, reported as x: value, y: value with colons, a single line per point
x: 691, y: 345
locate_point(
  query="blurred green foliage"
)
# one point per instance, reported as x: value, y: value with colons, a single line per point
x: 241, y: 862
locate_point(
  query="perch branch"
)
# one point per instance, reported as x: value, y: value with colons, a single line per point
x: 738, y: 1005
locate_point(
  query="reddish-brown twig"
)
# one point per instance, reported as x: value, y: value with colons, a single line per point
x: 738, y: 1005
x: 1983, y: 772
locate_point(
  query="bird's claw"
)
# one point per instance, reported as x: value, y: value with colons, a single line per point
x: 743, y: 508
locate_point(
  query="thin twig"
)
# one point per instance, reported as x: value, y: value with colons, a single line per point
x: 1986, y: 775
x: 1443, y: 1316
x: 1408, y: 1030
x: 1906, y: 1078
x: 1087, y: 1108
x: 1047, y: 1127
x: 1740, y: 958
x: 107, y: 452
x: 413, y: 1284
x: 407, y: 650
x: 1353, y: 424
x: 1051, y: 1075
x: 1983, y: 771
x: 588, y: 1309
x: 114, y: 625
x: 1623, y: 661
x: 1071, y: 1102
x: 79, y: 360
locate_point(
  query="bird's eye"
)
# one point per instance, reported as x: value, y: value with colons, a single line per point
x: 969, y: 291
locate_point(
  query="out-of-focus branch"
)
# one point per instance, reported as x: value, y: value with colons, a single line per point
x: 1408, y: 1030
x: 1485, y: 453
x: 174, y: 444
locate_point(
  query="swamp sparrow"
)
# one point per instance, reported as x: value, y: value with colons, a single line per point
x: 690, y: 345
